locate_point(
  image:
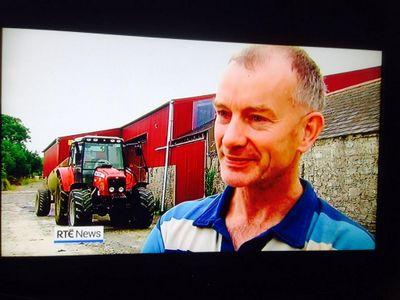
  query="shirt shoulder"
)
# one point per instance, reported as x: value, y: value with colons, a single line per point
x: 331, y: 229
x: 188, y: 210
x: 179, y: 233
x: 175, y: 230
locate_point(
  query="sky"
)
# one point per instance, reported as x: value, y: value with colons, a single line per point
x: 60, y: 83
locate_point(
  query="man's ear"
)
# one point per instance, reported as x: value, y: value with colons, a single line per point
x: 313, y: 124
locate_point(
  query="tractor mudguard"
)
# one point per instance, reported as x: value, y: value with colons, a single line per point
x: 66, y: 176
x: 53, y: 178
x: 52, y: 181
x: 130, y: 179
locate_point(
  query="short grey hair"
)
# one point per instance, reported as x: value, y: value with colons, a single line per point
x: 311, y: 89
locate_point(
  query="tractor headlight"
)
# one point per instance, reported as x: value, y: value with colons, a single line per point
x: 121, y: 189
x: 111, y: 189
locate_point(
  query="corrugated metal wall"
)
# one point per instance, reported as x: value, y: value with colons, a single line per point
x: 182, y: 117
x: 188, y: 158
x: 155, y: 127
x: 183, y: 114
x: 189, y: 161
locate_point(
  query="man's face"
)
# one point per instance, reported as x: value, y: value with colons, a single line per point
x: 257, y: 126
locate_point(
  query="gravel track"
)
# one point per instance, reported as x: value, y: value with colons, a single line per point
x: 25, y: 234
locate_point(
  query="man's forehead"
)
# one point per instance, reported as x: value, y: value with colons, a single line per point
x: 265, y: 77
x: 263, y: 56
x: 275, y: 71
x: 270, y: 61
x: 264, y: 87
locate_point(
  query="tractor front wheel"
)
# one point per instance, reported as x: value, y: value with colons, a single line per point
x: 42, y: 203
x: 79, y: 207
x: 143, y: 209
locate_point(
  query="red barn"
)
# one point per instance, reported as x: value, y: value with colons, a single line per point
x: 151, y: 130
x: 159, y: 132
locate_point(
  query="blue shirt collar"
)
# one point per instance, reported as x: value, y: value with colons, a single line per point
x: 292, y: 230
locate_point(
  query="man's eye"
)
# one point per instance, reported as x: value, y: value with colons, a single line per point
x: 257, y: 118
x: 222, y: 113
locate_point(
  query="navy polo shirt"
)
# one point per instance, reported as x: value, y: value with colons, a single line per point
x: 311, y: 224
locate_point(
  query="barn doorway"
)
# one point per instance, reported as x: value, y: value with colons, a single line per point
x: 135, y: 159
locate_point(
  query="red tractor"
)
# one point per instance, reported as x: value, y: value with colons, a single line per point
x: 94, y: 180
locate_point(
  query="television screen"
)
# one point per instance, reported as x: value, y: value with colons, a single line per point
x: 76, y: 84
x: 74, y: 93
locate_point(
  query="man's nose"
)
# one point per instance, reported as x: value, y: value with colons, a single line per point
x: 235, y: 134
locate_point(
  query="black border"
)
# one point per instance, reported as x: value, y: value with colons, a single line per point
x: 358, y: 274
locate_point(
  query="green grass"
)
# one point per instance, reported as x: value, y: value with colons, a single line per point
x: 26, y: 181
x: 7, y: 186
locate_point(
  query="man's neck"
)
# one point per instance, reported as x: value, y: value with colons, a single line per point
x: 273, y: 202
x: 255, y: 209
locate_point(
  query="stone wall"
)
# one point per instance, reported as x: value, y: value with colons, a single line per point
x: 344, y: 172
x: 156, y: 176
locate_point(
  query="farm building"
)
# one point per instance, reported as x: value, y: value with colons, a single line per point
x: 161, y: 131
x: 179, y: 135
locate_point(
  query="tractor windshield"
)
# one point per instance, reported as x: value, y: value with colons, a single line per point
x: 97, y: 154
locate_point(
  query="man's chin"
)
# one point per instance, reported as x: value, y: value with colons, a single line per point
x: 236, y: 180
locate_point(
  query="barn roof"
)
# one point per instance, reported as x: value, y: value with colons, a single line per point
x: 352, y: 110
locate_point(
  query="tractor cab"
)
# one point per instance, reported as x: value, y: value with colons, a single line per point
x: 92, y: 152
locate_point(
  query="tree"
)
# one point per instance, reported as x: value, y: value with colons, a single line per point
x: 17, y: 161
x: 13, y: 130
x: 35, y: 161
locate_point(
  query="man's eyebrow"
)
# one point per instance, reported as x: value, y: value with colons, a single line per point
x: 218, y: 104
x: 251, y: 109
x: 260, y: 109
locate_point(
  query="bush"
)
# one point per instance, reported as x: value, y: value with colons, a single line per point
x: 5, y: 184
x: 210, y: 177
x: 26, y: 181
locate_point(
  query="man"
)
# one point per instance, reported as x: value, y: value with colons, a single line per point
x: 268, y: 107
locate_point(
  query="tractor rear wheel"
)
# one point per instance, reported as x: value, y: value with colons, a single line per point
x: 60, y: 206
x: 42, y: 203
x: 80, y: 207
x: 143, y: 209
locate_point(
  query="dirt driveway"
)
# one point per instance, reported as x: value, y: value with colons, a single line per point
x: 25, y: 234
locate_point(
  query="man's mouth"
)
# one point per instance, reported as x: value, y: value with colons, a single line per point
x: 237, y: 161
